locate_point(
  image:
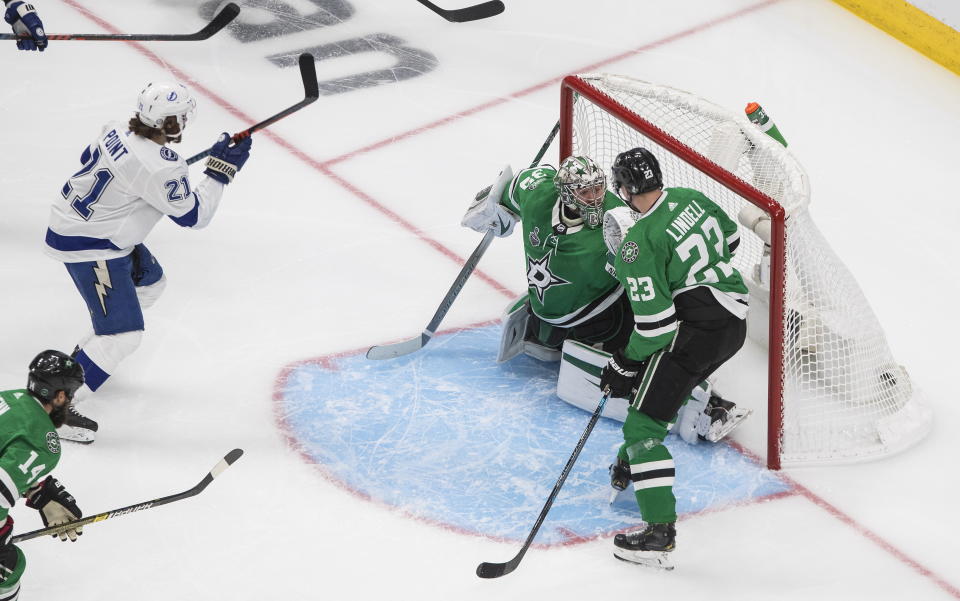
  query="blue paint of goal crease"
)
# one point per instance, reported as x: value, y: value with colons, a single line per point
x: 447, y: 435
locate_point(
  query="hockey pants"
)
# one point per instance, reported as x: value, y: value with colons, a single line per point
x: 698, y: 349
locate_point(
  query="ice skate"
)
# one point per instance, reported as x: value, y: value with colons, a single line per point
x: 78, y: 428
x: 724, y: 416
x: 650, y: 547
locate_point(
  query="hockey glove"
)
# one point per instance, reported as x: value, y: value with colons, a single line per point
x: 8, y: 553
x: 5, y: 531
x: 225, y: 160
x: 619, y: 474
x: 620, y: 375
x: 56, y: 506
x: 24, y: 20
x: 486, y: 212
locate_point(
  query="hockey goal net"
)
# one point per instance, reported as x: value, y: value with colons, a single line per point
x: 835, y: 394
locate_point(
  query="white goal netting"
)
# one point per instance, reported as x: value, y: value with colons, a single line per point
x: 844, y: 397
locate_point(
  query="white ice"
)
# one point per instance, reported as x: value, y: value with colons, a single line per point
x: 309, y: 257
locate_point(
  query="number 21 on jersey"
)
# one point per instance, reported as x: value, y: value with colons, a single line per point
x: 81, y: 201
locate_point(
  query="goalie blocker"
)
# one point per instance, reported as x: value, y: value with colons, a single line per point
x: 705, y: 415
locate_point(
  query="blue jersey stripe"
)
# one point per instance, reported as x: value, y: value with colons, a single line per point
x: 73, y: 243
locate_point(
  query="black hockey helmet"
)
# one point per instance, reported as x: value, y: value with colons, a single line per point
x: 51, y: 371
x: 637, y: 170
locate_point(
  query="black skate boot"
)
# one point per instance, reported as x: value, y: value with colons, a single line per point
x: 650, y: 547
x: 78, y: 428
x: 723, y: 416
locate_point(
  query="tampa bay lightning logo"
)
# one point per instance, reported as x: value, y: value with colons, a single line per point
x: 169, y: 154
x: 539, y: 276
x: 172, y: 96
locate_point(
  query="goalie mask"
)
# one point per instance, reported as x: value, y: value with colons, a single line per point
x: 158, y: 101
x: 582, y: 185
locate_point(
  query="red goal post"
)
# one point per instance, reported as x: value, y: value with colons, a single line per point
x: 834, y: 393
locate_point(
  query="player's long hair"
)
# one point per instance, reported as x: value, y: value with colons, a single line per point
x: 171, y: 129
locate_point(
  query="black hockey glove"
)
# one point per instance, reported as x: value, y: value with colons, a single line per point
x: 56, y: 506
x: 8, y: 552
x: 5, y: 531
x: 620, y: 375
x: 620, y: 474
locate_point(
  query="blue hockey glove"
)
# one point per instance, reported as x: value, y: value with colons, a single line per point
x: 24, y: 20
x: 225, y: 160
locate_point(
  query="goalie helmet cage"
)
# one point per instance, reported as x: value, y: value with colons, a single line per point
x: 834, y: 392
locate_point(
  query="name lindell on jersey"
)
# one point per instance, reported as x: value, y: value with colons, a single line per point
x: 126, y: 185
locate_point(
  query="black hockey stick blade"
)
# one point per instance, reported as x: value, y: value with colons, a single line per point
x: 220, y: 20
x: 495, y: 570
x: 311, y: 91
x: 221, y: 465
x: 470, y: 13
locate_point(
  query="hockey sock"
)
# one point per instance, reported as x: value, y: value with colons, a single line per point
x: 651, y: 467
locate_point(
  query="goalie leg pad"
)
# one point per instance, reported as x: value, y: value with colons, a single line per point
x: 514, y: 328
x: 691, y: 413
x: 579, y: 379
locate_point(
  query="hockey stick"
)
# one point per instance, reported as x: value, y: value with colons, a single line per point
x: 470, y: 13
x: 220, y: 20
x: 311, y: 91
x: 223, y: 464
x: 496, y: 570
x: 390, y: 351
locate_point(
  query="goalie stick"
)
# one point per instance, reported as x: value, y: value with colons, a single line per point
x: 398, y: 349
x: 223, y: 464
x: 470, y: 13
x: 311, y: 91
x: 220, y: 20
x: 496, y: 570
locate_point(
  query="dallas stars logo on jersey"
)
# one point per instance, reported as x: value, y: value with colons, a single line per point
x: 539, y: 276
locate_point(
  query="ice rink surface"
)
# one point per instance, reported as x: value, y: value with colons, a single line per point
x: 342, y: 231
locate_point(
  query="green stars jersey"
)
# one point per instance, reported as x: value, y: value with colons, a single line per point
x: 29, y: 446
x: 683, y: 242
x: 567, y: 269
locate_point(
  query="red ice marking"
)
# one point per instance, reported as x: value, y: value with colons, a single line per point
x: 293, y: 150
x: 324, y: 168
x: 550, y: 82
x: 803, y: 491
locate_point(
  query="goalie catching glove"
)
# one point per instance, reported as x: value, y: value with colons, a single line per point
x: 56, y: 506
x: 486, y: 212
x: 225, y: 160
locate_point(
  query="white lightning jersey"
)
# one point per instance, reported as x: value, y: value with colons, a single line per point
x: 126, y: 185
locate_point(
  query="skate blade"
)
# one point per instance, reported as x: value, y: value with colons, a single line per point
x: 81, y: 435
x: 648, y: 559
x: 719, y: 431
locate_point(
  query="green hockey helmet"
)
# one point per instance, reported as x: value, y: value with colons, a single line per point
x: 582, y: 185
